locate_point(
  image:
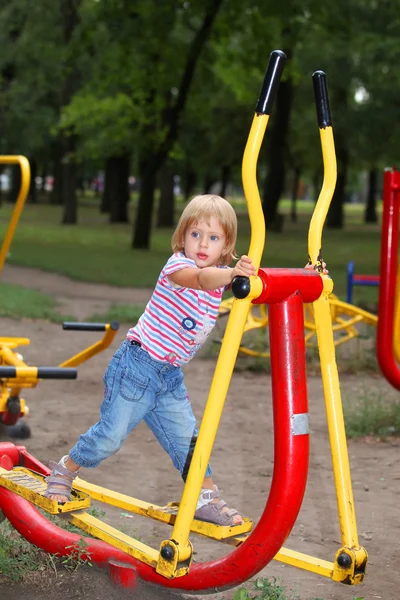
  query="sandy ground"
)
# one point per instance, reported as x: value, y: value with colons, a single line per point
x: 242, y: 458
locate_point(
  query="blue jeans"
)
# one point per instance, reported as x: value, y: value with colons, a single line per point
x: 138, y: 387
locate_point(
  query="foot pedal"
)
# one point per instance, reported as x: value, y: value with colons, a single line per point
x: 217, y: 532
x: 32, y: 486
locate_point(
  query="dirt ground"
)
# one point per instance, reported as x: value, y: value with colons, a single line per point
x: 242, y: 458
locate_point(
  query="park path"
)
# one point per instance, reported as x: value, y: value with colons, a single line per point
x: 77, y: 298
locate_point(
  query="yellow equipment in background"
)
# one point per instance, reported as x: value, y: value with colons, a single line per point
x: 15, y: 374
x: 345, y: 318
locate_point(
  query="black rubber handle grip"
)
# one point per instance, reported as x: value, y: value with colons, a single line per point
x: 240, y: 287
x: 42, y: 372
x: 272, y: 77
x: 322, y: 100
x: 90, y: 326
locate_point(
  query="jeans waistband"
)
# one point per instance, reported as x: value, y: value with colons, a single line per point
x: 141, y: 354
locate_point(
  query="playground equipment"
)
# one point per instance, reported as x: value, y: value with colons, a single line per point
x: 15, y: 373
x: 388, y: 334
x: 285, y: 290
x: 357, y: 279
x: 345, y: 318
x: 20, y: 202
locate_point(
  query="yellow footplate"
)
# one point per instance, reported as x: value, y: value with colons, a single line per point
x: 217, y: 532
x: 32, y: 486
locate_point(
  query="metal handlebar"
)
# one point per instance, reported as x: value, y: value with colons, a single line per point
x: 37, y: 373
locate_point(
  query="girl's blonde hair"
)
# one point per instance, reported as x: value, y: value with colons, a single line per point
x: 203, y: 208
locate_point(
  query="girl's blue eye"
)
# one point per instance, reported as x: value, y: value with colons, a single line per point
x: 195, y: 234
x: 214, y: 238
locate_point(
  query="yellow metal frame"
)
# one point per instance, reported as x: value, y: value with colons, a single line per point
x: 344, y: 318
x: 27, y: 376
x: 350, y: 560
x: 19, y: 205
x: 32, y: 486
x: 226, y: 360
x: 356, y: 555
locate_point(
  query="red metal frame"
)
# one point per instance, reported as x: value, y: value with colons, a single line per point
x: 291, y: 451
x: 366, y: 278
x: 388, y: 277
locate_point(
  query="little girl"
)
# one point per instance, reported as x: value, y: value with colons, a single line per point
x: 144, y: 380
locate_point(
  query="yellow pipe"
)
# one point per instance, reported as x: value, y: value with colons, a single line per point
x: 326, y: 347
x: 230, y: 344
x: 211, y: 418
x: 325, y: 197
x: 305, y: 562
x: 19, y: 205
x: 335, y: 419
x: 249, y: 170
x: 87, y: 353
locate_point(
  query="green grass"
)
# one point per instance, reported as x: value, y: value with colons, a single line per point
x: 371, y: 414
x: 124, y: 313
x: 272, y: 589
x: 20, y: 561
x: 96, y: 251
x: 18, y: 302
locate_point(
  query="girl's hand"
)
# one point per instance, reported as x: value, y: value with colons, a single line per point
x: 244, y: 267
x: 324, y: 269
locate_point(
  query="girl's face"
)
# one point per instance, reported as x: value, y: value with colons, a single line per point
x: 205, y: 243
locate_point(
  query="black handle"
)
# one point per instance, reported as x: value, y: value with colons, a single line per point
x: 272, y: 77
x: 90, y: 326
x: 40, y: 372
x: 324, y: 116
x: 240, y: 287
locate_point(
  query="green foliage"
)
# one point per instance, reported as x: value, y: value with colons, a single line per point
x: 272, y: 589
x: 78, y: 556
x: 267, y: 589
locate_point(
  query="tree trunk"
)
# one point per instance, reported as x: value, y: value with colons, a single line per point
x: 69, y: 10
x: 106, y: 197
x: 15, y: 183
x: 69, y: 178
x: 370, y: 209
x: 316, y: 184
x: 225, y: 176
x: 56, y: 194
x: 335, y: 219
x: 32, y: 187
x: 275, y: 180
x: 208, y: 183
x: 295, y: 189
x: 119, y: 194
x: 189, y: 183
x: 141, y: 239
x: 152, y: 161
x: 165, y: 217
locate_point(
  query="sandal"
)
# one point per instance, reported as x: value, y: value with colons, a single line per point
x: 60, y: 486
x: 213, y: 512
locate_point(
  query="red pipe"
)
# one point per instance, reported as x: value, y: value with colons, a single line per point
x: 279, y: 284
x: 287, y: 488
x: 388, y: 278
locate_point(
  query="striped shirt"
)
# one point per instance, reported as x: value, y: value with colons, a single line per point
x: 177, y: 320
